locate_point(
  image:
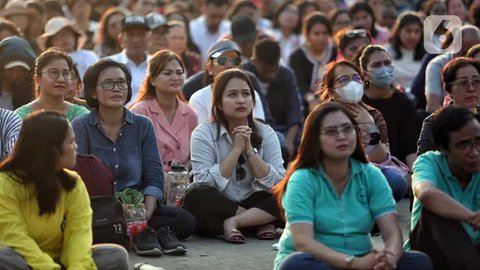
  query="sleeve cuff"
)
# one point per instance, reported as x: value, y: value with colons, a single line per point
x: 266, y: 183
x: 153, y: 191
x: 220, y: 181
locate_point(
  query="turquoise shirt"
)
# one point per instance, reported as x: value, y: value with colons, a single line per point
x: 433, y: 167
x: 73, y: 112
x: 341, y: 223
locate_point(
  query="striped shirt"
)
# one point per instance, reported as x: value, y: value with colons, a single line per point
x: 10, y: 124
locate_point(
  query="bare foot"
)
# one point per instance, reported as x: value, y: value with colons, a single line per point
x: 230, y: 231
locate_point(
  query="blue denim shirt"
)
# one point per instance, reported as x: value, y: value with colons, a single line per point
x: 133, y: 158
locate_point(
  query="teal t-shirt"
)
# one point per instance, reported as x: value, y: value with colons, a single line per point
x: 73, y: 112
x: 341, y: 223
x: 433, y: 167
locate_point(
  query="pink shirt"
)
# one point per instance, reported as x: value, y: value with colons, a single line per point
x: 173, y: 139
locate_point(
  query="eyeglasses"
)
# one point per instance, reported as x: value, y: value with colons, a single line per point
x: 333, y: 132
x: 241, y: 172
x: 356, y: 33
x: 343, y: 80
x: 465, y: 84
x: 222, y: 60
x: 54, y: 74
x: 468, y: 144
x: 110, y: 85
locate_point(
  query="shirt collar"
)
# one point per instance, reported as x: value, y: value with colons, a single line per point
x: 154, y: 107
x: 93, y: 117
x: 355, y: 168
x: 124, y: 58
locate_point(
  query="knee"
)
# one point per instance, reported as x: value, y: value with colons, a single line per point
x: 415, y: 260
x: 397, y: 183
x: 296, y: 260
x: 110, y: 257
x: 197, y: 193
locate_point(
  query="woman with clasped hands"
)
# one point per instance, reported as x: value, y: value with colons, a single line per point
x: 331, y: 198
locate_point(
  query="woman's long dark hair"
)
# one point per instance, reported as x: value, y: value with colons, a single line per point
x: 35, y: 156
x: 218, y: 117
x: 103, y: 36
x: 405, y: 19
x: 310, y: 153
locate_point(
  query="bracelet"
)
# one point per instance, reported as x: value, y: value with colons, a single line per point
x: 410, y: 172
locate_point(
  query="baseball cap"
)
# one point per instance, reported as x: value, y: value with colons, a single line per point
x: 17, y: 63
x: 155, y: 20
x: 243, y: 29
x: 131, y: 21
x: 222, y: 46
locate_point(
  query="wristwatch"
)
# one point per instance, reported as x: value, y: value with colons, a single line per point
x: 349, y: 260
x: 252, y: 152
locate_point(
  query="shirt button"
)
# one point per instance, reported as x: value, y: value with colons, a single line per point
x: 178, y: 147
x: 116, y: 166
x: 114, y: 149
x: 120, y: 134
x: 166, y: 147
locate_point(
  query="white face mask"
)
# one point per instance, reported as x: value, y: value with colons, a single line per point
x: 351, y: 93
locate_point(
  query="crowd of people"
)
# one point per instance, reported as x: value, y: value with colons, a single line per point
x: 312, y: 116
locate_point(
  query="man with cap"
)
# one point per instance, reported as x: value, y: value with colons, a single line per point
x: 222, y: 56
x: 61, y: 33
x: 210, y: 26
x: 133, y: 39
x: 157, y: 38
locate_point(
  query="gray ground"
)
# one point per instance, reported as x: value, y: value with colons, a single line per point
x: 205, y: 253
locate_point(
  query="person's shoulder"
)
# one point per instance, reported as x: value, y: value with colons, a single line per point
x: 23, y: 111
x: 264, y: 128
x: 82, y: 119
x: 9, y: 116
x: 204, y: 128
x: 202, y: 93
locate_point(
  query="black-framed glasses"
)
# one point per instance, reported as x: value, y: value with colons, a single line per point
x: 334, y: 131
x: 222, y: 60
x: 241, y: 172
x: 466, y: 83
x: 54, y: 74
x: 356, y: 33
x: 110, y: 85
x: 468, y: 144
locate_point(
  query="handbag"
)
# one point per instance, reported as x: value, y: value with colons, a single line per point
x: 108, y: 223
x: 393, y: 163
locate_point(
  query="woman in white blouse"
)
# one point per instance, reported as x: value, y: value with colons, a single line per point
x: 236, y: 161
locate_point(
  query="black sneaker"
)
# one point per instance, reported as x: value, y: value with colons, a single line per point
x: 146, y: 243
x: 169, y: 242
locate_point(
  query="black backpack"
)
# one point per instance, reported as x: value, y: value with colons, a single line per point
x: 108, y: 223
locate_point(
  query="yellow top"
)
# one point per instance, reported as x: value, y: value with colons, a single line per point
x: 64, y: 236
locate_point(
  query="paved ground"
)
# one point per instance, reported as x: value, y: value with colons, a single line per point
x: 205, y: 253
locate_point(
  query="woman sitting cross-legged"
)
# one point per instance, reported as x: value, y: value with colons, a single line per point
x: 45, y: 214
x: 236, y: 161
x: 332, y: 196
x: 126, y: 143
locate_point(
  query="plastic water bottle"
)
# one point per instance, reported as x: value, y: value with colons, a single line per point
x: 130, y: 218
x: 141, y: 217
x: 177, y: 185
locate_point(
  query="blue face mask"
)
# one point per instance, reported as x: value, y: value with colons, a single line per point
x: 382, y: 76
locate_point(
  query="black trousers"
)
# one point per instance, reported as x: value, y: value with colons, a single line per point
x: 446, y: 242
x: 211, y: 208
x: 178, y: 219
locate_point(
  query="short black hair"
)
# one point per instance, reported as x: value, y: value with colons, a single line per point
x: 447, y: 120
x: 267, y: 51
x: 90, y: 80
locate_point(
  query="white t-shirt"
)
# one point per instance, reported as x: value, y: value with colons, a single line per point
x: 83, y: 59
x: 203, y: 38
x: 138, y: 71
x: 201, y: 101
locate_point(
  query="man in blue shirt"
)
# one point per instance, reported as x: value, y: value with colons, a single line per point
x: 446, y: 184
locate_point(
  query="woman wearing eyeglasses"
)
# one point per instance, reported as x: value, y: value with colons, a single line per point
x: 406, y: 48
x: 161, y: 100
x: 236, y: 161
x: 461, y: 80
x: 52, y: 76
x: 126, y: 142
x: 331, y: 197
x: 308, y: 62
x: 343, y: 84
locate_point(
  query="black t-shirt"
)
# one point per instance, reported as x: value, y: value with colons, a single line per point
x: 399, y: 113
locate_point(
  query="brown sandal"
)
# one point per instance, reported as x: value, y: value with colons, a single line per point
x: 267, y: 232
x: 234, y: 236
